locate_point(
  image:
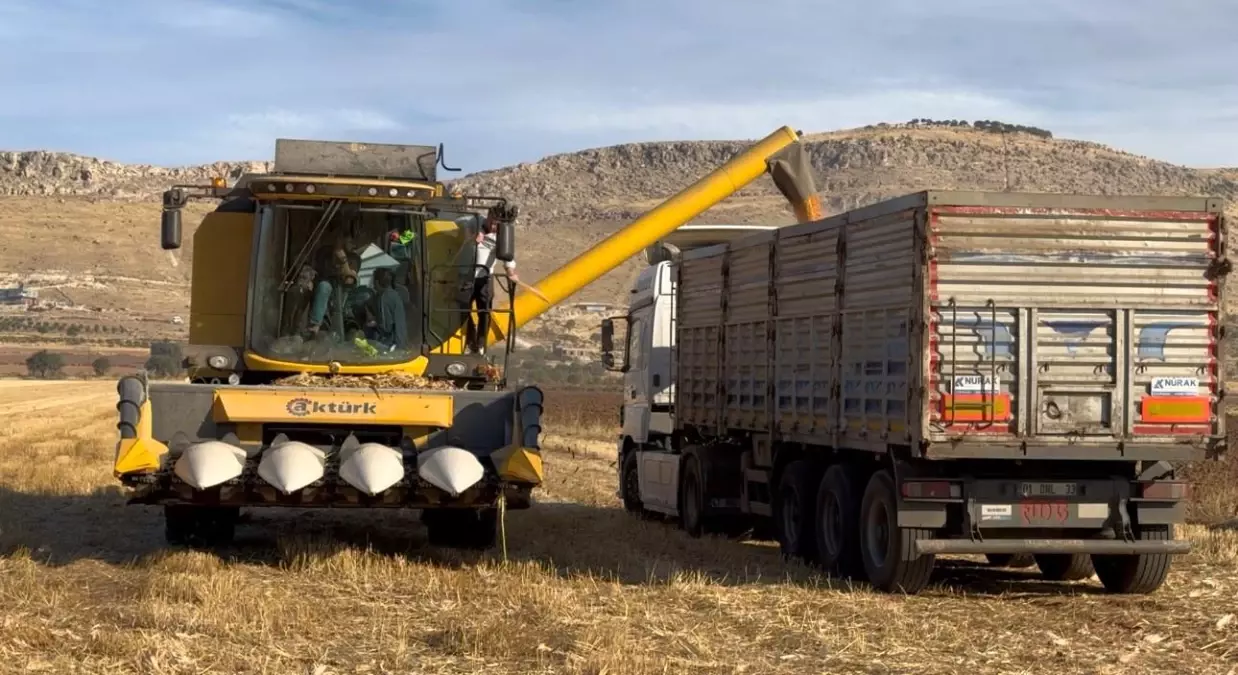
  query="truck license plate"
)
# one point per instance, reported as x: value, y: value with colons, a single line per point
x: 1048, y: 489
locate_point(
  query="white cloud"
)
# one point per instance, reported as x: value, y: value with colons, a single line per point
x: 720, y: 119
x: 177, y: 81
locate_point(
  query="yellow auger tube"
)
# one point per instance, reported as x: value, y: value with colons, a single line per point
x: 646, y: 230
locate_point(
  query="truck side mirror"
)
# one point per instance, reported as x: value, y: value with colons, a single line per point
x: 505, y: 242
x: 170, y: 226
x: 608, y: 339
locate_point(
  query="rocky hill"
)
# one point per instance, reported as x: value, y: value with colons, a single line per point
x: 78, y: 216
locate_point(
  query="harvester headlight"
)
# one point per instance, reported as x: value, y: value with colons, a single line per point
x: 373, y: 192
x: 234, y: 379
x: 309, y: 189
x: 394, y: 192
x: 271, y: 187
x: 217, y: 361
x: 456, y: 369
x: 412, y: 193
x: 288, y: 187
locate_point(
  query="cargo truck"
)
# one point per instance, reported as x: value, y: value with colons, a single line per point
x: 1016, y: 375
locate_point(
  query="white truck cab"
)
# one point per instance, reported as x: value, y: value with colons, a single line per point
x: 647, y: 418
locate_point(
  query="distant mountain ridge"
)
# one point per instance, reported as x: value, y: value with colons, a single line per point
x: 572, y: 200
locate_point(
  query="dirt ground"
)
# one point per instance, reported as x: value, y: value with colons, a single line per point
x: 88, y: 586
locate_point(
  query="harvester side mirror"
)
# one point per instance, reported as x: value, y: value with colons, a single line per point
x: 170, y: 227
x: 608, y: 360
x: 505, y: 242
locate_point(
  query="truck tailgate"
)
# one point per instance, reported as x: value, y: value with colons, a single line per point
x: 1062, y: 331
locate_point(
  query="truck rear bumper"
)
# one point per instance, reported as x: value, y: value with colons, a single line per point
x: 1100, y: 546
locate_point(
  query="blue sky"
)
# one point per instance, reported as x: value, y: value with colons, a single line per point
x: 185, y: 81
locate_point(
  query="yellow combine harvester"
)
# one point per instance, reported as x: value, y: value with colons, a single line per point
x: 326, y: 357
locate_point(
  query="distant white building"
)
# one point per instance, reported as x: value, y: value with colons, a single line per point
x: 19, y: 295
x: 595, y: 307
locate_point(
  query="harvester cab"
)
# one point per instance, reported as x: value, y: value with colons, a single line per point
x: 327, y: 333
x: 356, y: 261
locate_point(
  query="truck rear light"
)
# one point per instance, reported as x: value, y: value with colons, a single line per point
x: 937, y: 489
x: 1166, y: 490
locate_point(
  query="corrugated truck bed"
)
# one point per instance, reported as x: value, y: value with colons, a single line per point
x: 965, y: 324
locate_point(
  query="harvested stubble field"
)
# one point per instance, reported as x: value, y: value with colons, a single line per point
x: 86, y: 585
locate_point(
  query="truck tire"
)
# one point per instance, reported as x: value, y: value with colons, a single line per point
x: 838, y: 522
x: 691, y: 497
x: 629, y: 483
x: 1064, y: 566
x: 199, y: 526
x: 888, y: 551
x: 795, y: 510
x: 1136, y: 574
x: 473, y: 529
x: 1016, y: 561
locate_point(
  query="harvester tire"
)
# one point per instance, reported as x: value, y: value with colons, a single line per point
x: 1014, y: 561
x: 199, y: 526
x: 1065, y: 566
x: 1136, y: 574
x: 888, y: 551
x: 473, y: 529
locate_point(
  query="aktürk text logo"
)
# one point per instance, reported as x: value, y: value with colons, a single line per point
x: 303, y: 407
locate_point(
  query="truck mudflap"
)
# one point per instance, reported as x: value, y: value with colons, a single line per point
x: 1038, y: 546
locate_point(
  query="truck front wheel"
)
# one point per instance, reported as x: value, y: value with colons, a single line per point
x: 629, y: 483
x: 889, y: 553
x: 475, y: 529
x: 1064, y: 566
x: 1139, y: 574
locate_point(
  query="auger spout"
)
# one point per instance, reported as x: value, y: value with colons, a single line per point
x: 663, y: 219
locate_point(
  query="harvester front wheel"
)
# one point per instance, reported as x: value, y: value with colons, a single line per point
x: 199, y: 526
x: 475, y: 529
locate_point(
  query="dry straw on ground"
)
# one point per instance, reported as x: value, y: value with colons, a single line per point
x: 86, y: 586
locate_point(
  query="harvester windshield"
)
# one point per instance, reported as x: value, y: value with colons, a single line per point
x: 340, y: 284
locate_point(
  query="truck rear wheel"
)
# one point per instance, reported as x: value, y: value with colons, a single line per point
x: 199, y: 526
x: 474, y: 529
x: 1064, y: 566
x: 1015, y: 561
x: 838, y: 522
x: 1138, y: 574
x: 889, y: 553
x: 795, y: 510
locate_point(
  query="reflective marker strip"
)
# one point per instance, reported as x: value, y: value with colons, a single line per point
x: 1093, y: 511
x: 1175, y: 409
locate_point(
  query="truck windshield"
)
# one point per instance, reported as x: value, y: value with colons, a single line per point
x: 346, y: 287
